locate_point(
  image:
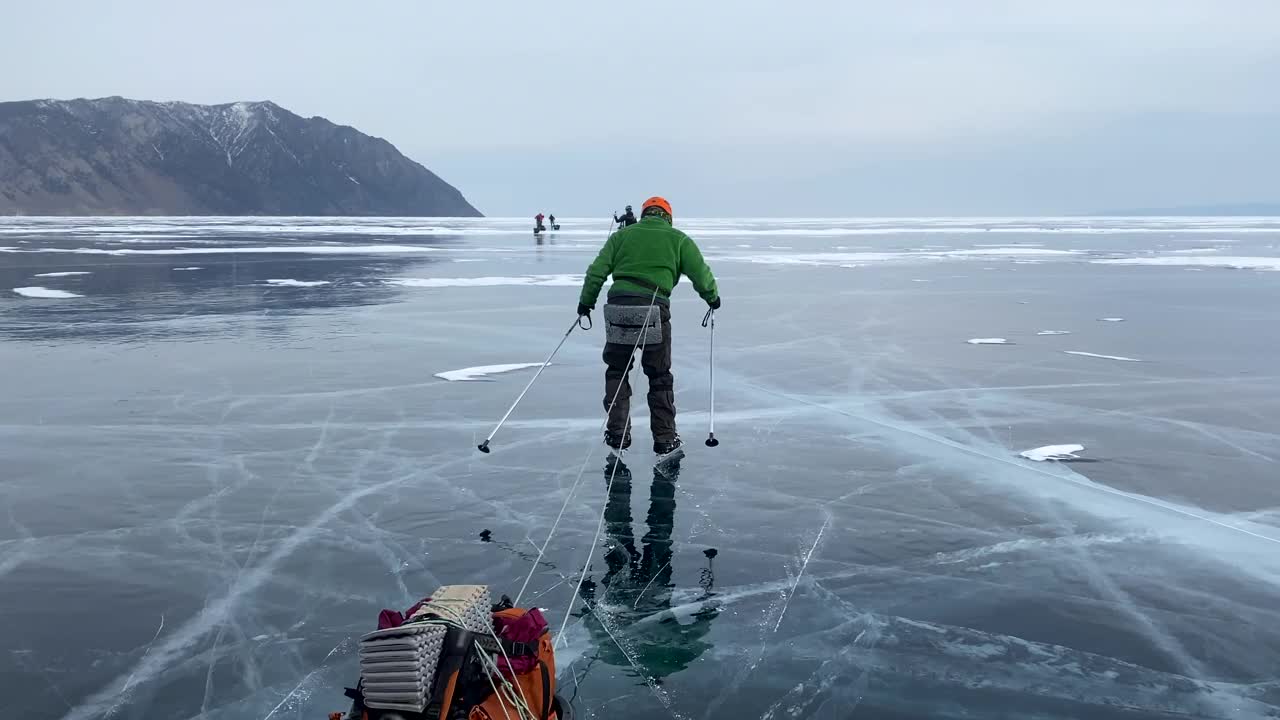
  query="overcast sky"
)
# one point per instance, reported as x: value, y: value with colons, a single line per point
x: 845, y: 107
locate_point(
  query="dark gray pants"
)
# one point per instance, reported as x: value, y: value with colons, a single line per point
x: 655, y: 360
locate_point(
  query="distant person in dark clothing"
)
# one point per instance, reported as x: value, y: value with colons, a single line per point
x: 628, y: 218
x: 537, y: 223
x: 551, y: 219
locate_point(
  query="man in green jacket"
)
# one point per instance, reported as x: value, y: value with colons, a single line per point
x: 646, y: 261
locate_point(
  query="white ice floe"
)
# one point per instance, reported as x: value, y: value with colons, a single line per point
x: 1008, y: 252
x: 187, y: 269
x: 1233, y: 263
x: 288, y: 282
x: 1194, y: 251
x: 844, y: 258
x: 338, y: 249
x: 480, y: 371
x: 1054, y: 332
x: 987, y: 341
x: 1053, y: 452
x: 541, y: 280
x: 63, y: 274
x: 43, y: 292
x: 1111, y: 319
x: 1104, y: 357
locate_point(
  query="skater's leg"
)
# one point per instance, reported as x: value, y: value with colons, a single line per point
x: 656, y: 362
x: 617, y: 386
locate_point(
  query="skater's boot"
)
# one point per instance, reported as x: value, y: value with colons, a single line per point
x: 618, y: 441
x: 668, y: 447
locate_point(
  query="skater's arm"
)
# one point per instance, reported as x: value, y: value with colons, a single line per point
x: 597, y: 273
x: 694, y: 267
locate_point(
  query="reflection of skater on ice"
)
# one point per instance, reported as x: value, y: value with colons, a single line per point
x: 634, y: 595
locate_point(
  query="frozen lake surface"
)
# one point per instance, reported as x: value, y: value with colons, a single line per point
x: 228, y: 443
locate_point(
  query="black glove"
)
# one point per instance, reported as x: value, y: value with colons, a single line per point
x: 584, y: 310
x: 715, y: 304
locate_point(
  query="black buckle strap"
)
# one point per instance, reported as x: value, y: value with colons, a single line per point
x: 519, y: 648
x: 508, y: 647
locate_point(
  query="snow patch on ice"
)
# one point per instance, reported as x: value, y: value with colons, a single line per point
x: 288, y: 282
x: 541, y: 280
x: 480, y: 371
x: 1233, y: 263
x: 43, y: 292
x: 63, y: 274
x: 1111, y: 319
x: 254, y: 250
x: 1054, y: 332
x: 1009, y: 251
x: 1053, y: 452
x: 187, y: 269
x: 1104, y: 357
x: 987, y: 341
x: 841, y: 258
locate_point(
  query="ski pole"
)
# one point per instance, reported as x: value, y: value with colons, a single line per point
x: 711, y: 434
x: 484, y: 446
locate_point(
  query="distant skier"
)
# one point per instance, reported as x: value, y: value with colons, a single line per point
x: 628, y: 218
x: 646, y: 261
x: 537, y: 223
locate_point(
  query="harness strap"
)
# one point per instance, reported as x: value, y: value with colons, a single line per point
x: 646, y: 284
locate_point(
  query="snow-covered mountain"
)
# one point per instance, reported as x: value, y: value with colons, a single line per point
x: 114, y: 156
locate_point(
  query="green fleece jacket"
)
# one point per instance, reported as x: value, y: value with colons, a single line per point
x: 646, y: 255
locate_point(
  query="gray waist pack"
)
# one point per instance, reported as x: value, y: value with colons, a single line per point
x: 625, y: 324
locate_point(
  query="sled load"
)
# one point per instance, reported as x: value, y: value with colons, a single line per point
x: 457, y: 656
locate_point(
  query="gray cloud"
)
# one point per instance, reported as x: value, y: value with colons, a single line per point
x: 918, y: 107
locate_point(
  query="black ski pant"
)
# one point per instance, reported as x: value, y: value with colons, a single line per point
x: 655, y: 360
